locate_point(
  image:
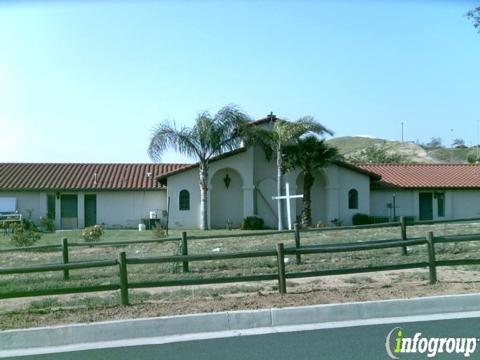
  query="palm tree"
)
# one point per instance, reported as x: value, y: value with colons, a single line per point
x: 210, y: 136
x: 474, y: 15
x: 274, y: 140
x: 308, y: 154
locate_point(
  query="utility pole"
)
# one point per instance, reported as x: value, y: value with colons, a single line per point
x: 452, y: 148
x: 403, y: 124
x: 476, y: 145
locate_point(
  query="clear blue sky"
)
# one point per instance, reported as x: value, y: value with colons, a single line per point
x: 87, y: 81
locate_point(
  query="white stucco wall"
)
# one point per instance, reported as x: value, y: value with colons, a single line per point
x: 265, y: 180
x: 349, y: 179
x: 226, y: 206
x: 330, y: 193
x: 242, y: 163
x: 458, y: 203
x: 405, y: 201
x: 465, y: 203
x: 185, y: 219
x: 120, y: 208
x: 127, y: 208
x: 35, y: 201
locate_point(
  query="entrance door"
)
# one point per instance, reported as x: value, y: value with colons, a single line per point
x: 69, y: 211
x: 426, y: 206
x: 90, y: 210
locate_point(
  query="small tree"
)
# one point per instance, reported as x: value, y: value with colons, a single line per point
x: 473, y: 157
x: 435, y: 143
x: 458, y: 143
x: 308, y: 154
x: 23, y: 236
x: 92, y: 233
x: 375, y: 154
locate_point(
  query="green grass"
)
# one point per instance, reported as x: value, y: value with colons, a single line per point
x: 211, y: 269
x: 115, y: 235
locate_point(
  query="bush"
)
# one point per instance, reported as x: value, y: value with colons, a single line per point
x: 362, y: 219
x: 159, y: 231
x: 252, y: 223
x: 92, y: 233
x: 47, y: 224
x: 21, y: 236
x: 28, y: 224
x: 336, y: 222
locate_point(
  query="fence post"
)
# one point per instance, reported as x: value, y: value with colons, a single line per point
x: 66, y: 272
x: 184, y: 250
x: 122, y: 266
x: 296, y: 227
x: 403, y: 230
x: 282, y: 283
x: 431, y: 257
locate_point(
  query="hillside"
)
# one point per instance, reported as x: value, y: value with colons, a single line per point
x: 351, y: 145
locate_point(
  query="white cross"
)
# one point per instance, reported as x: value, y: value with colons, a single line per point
x: 287, y: 197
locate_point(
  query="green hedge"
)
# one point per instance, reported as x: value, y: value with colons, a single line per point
x: 252, y: 223
x: 362, y: 219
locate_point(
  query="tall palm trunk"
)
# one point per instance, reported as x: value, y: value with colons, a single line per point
x: 203, y: 196
x: 307, y: 199
x: 279, y: 186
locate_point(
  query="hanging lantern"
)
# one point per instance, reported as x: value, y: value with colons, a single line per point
x: 227, y: 180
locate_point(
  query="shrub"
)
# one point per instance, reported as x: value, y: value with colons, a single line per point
x: 336, y: 222
x: 21, y: 236
x: 252, y: 223
x: 159, y: 231
x: 28, y: 224
x: 362, y: 219
x: 472, y: 157
x: 92, y: 233
x: 48, y: 224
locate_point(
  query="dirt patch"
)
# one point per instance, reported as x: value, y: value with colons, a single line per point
x: 201, y: 299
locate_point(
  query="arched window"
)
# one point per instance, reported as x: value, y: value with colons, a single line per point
x: 184, y: 200
x: 353, y: 199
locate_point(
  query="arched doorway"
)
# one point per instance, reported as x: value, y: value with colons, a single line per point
x: 318, y: 196
x: 226, y: 199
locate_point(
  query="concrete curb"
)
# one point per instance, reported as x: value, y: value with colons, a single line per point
x: 15, y: 341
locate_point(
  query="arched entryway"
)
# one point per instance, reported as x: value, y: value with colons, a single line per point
x: 318, y: 196
x: 226, y: 199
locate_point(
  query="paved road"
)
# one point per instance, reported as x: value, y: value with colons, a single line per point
x: 363, y: 342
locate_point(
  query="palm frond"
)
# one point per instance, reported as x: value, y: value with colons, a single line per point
x: 208, y: 137
x: 311, y: 125
x: 286, y: 132
x: 474, y: 16
x: 255, y: 135
x: 231, y: 116
x: 309, y: 154
x: 166, y: 135
x: 227, y: 129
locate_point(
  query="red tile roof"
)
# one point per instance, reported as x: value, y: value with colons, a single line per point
x: 264, y: 120
x: 426, y: 175
x: 54, y: 176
